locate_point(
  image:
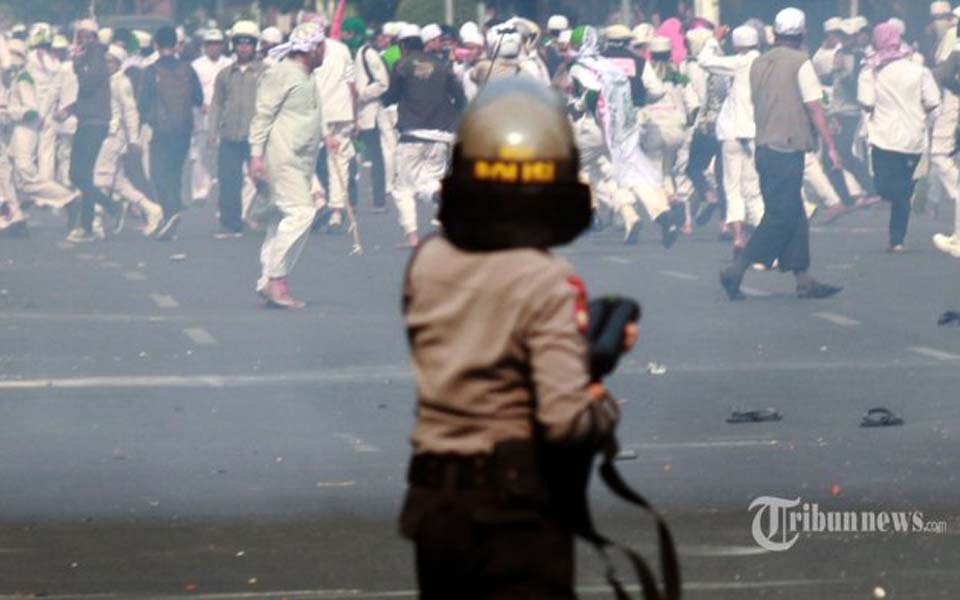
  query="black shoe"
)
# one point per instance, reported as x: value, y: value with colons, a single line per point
x: 705, y: 213
x: 817, y: 290
x: 669, y: 231
x: 679, y: 213
x: 731, y: 285
x: 168, y: 231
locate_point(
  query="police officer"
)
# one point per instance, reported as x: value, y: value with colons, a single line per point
x: 497, y: 326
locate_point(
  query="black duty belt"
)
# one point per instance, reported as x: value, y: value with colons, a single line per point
x: 451, y: 471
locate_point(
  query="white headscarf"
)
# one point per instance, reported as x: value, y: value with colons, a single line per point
x: 304, y: 38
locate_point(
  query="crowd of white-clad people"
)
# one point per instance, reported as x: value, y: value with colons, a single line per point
x: 114, y: 127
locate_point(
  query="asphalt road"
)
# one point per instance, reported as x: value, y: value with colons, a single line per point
x: 162, y: 435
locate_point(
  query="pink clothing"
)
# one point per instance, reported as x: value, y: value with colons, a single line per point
x: 672, y: 28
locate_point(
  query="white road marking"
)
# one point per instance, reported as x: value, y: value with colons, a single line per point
x: 134, y: 276
x: 335, y: 484
x: 400, y: 373
x: 164, y: 301
x: 837, y: 319
x: 716, y: 444
x: 724, y: 551
x: 356, y: 594
x: 110, y: 264
x: 357, y: 444
x: 620, y: 260
x: 934, y: 353
x: 679, y: 275
x: 754, y: 292
x: 199, y: 336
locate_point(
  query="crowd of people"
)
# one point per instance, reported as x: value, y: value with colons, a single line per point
x: 102, y: 124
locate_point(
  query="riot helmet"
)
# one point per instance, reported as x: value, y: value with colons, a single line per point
x: 513, y: 180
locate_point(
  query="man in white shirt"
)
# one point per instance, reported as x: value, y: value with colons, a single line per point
x: 736, y: 129
x: 207, y: 67
x: 373, y: 81
x: 897, y: 94
x: 337, y: 89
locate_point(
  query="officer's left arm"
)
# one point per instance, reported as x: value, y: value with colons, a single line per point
x: 569, y: 408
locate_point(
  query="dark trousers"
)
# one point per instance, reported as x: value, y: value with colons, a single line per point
x: 893, y: 176
x: 86, y: 148
x: 704, y: 147
x: 370, y: 138
x: 468, y: 546
x: 858, y: 168
x: 230, y: 159
x: 168, y: 152
x: 784, y: 233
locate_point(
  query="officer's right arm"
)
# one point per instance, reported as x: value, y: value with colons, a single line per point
x: 568, y: 408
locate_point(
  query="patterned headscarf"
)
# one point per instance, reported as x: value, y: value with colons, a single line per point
x: 305, y: 38
x: 888, y: 45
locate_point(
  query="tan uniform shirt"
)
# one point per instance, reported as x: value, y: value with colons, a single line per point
x: 497, y: 348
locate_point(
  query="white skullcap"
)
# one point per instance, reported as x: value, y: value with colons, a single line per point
x: 117, y: 53
x: 940, y: 8
x: 790, y: 21
x: 391, y: 29
x: 899, y: 24
x: 643, y: 34
x: 408, y: 31
x: 271, y: 35
x: 40, y: 34
x: 697, y: 39
x: 212, y: 36
x: 860, y: 22
x: 832, y: 24
x: 470, y: 34
x: 143, y: 38
x: 105, y: 36
x: 617, y: 32
x: 745, y: 37
x: 60, y: 42
x: 558, y: 23
x: 660, y: 44
x: 86, y: 25
x: 565, y: 36
x: 430, y: 32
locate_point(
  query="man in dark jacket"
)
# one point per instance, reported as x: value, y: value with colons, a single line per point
x: 429, y: 99
x: 171, y: 90
x: 92, y: 110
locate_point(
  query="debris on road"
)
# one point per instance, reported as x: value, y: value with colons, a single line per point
x: 951, y: 317
x: 178, y: 257
x: 655, y: 368
x: 755, y: 416
x: 880, y: 417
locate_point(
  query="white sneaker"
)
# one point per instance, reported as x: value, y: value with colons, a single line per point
x: 947, y: 244
x: 79, y: 236
x: 631, y: 224
x: 154, y: 215
x: 98, y: 231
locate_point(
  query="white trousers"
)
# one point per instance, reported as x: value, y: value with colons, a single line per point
x: 8, y: 193
x: 389, y: 138
x: 741, y: 183
x: 202, y: 162
x: 338, y: 163
x: 944, y: 179
x: 287, y: 233
x: 420, y: 167
x: 108, y: 174
x: 26, y: 178
x: 816, y: 184
x: 47, y: 152
x: 662, y: 141
x: 63, y: 150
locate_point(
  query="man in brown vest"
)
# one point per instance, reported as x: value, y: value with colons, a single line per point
x: 788, y: 111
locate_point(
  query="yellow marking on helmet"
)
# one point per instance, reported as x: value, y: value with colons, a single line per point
x: 516, y: 153
x: 532, y: 172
